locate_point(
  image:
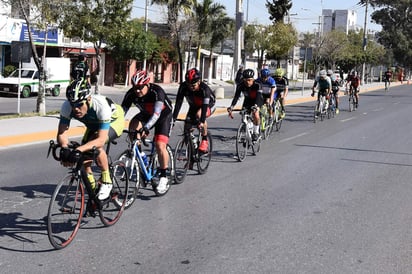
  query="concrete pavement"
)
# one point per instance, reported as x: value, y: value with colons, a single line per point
x: 28, y: 130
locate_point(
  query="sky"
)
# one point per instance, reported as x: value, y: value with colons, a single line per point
x: 304, y: 13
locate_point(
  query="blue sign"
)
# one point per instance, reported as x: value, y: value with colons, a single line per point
x: 39, y: 36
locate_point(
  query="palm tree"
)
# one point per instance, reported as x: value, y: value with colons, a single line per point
x: 174, y: 8
x: 205, y: 16
x: 278, y: 9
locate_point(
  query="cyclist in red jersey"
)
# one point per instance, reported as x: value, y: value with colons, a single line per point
x: 353, y: 81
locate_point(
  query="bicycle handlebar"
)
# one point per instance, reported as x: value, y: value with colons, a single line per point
x: 54, y: 148
x: 134, y: 137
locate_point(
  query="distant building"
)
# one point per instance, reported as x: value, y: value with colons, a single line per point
x: 344, y: 20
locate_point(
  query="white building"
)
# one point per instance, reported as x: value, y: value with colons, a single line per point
x: 344, y: 20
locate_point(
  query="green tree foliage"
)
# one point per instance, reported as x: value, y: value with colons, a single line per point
x: 96, y: 21
x: 278, y: 9
x: 257, y: 39
x: 395, y: 19
x: 332, y: 50
x: 278, y: 49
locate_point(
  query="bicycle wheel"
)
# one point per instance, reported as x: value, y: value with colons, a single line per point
x: 316, y: 111
x: 256, y: 145
x: 278, y: 121
x: 182, y: 158
x: 111, y: 210
x: 203, y: 159
x: 134, y: 177
x: 65, y: 212
x: 241, y: 142
x: 170, y: 173
x: 264, y: 119
x: 351, y: 103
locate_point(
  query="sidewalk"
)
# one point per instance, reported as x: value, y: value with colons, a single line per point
x: 40, y: 129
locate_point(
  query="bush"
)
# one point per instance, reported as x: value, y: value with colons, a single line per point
x: 8, y: 70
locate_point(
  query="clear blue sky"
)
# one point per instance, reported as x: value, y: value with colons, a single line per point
x: 307, y: 11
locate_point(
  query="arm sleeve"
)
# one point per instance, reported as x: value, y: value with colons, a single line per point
x: 158, y: 106
x: 127, y: 101
x: 178, y: 103
x: 236, y: 97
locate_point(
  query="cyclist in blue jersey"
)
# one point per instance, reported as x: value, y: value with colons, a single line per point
x: 104, y: 122
x: 282, y: 89
x: 268, y: 86
x: 335, y: 88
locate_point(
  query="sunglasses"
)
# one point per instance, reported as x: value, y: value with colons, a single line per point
x: 78, y: 104
x: 193, y: 85
x: 139, y: 88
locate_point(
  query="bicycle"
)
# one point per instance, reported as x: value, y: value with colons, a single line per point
x: 67, y: 205
x: 352, y: 99
x: 332, y: 106
x: 244, y: 140
x: 387, y: 84
x: 187, y: 153
x: 277, y: 115
x: 266, y: 121
x: 320, y: 108
x: 143, y: 169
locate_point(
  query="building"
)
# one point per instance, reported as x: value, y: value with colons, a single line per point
x: 344, y: 20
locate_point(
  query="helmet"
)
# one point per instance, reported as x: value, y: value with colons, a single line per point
x: 322, y: 73
x: 77, y: 91
x: 248, y: 73
x: 265, y: 72
x: 329, y: 72
x: 140, y: 78
x: 278, y: 72
x: 192, y: 75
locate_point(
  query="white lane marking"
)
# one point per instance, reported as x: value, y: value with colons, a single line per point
x: 345, y: 120
x: 293, y: 137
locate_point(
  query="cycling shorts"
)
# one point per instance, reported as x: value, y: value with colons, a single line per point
x: 162, y: 127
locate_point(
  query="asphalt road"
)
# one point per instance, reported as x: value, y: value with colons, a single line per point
x: 330, y: 197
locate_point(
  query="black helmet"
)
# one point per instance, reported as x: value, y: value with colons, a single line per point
x: 192, y: 76
x: 77, y: 91
x: 248, y: 73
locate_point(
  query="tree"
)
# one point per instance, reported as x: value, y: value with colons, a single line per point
x: 334, y: 44
x: 278, y: 9
x: 257, y: 40
x: 96, y: 21
x: 174, y: 8
x: 42, y: 19
x: 278, y: 49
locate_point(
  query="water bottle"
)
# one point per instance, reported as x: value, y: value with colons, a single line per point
x: 193, y: 140
x: 144, y: 158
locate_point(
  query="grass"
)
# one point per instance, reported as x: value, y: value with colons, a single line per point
x: 28, y: 114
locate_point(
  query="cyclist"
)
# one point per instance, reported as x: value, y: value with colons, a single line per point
x: 388, y: 78
x: 335, y: 88
x: 324, y: 85
x: 252, y: 91
x: 282, y: 88
x: 353, y: 81
x: 238, y: 78
x: 268, y: 87
x: 81, y: 69
x: 155, y: 111
x: 104, y: 121
x: 201, y: 100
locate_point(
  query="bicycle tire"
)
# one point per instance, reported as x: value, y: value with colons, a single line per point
x: 134, y: 177
x: 111, y: 209
x: 170, y: 173
x: 242, y: 143
x: 65, y: 212
x: 182, y: 156
x: 203, y: 159
x: 316, y: 111
x: 351, y: 103
x: 256, y: 146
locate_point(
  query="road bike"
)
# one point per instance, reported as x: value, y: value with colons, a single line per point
x: 266, y: 121
x: 321, y: 108
x: 67, y: 204
x: 277, y: 115
x: 387, y: 84
x: 187, y: 151
x: 143, y: 166
x: 352, y: 99
x: 244, y: 140
x: 332, y: 106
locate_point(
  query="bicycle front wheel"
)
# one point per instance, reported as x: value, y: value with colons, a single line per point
x: 241, y: 142
x: 182, y: 158
x: 134, y: 177
x: 65, y: 212
x: 203, y: 158
x: 112, y: 209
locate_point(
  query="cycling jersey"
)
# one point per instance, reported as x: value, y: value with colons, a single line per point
x: 354, y: 80
x: 204, y: 99
x: 323, y: 84
x: 267, y: 86
x: 253, y: 95
x: 80, y: 70
x: 102, y: 114
x: 388, y: 75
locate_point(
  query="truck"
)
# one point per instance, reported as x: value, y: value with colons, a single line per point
x: 57, y: 77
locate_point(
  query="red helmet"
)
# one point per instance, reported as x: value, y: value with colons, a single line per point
x: 140, y: 78
x: 192, y: 76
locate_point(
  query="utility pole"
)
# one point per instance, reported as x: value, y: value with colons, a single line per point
x: 364, y: 41
x: 239, y: 36
x: 145, y: 29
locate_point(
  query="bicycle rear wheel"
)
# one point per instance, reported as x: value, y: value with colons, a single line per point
x: 203, y: 159
x: 111, y: 210
x: 65, y: 212
x: 134, y: 177
x: 351, y: 103
x: 278, y: 120
x: 241, y: 142
x: 170, y: 172
x: 182, y: 158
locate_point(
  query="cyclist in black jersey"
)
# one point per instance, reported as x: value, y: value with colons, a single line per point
x: 282, y: 88
x: 252, y: 91
x: 201, y: 100
x: 155, y: 111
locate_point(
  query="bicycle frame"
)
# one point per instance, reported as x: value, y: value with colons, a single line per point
x: 147, y: 171
x: 247, y: 120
